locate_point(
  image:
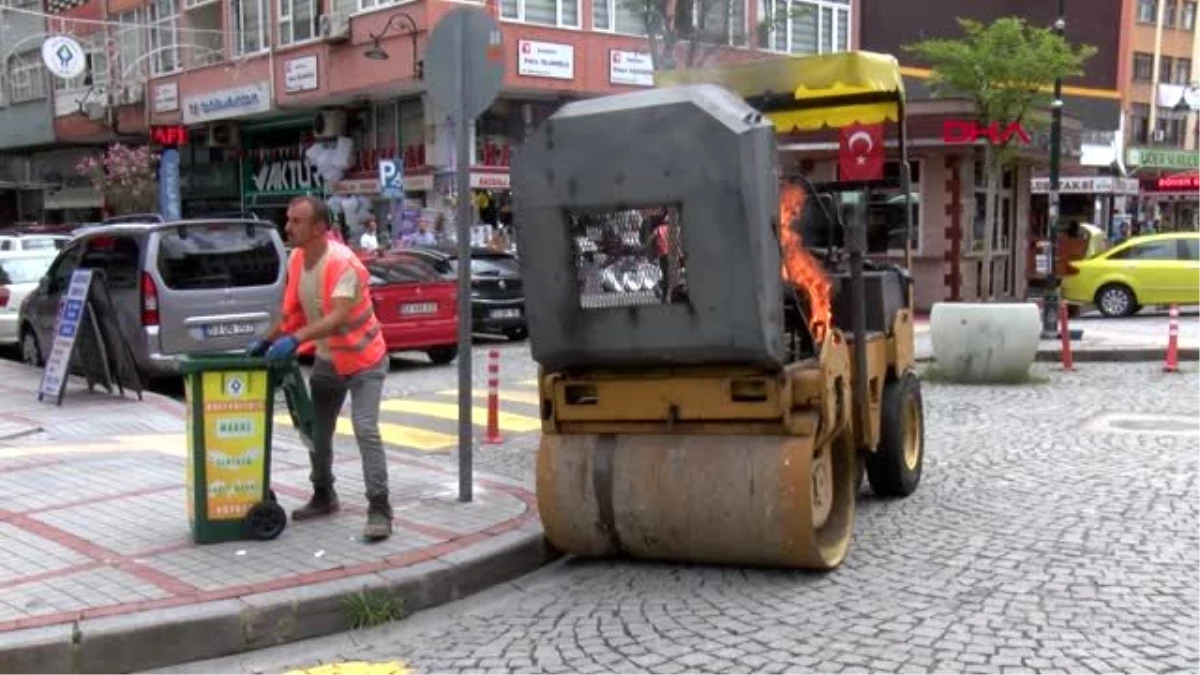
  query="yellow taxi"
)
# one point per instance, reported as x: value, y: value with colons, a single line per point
x: 1153, y: 269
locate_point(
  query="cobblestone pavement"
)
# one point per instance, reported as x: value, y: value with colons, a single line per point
x: 1055, y: 530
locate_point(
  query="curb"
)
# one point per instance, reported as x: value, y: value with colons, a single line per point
x: 1140, y: 355
x: 168, y: 637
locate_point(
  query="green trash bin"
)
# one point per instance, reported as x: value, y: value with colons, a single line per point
x: 230, y: 400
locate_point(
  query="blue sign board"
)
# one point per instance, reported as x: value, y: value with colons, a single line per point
x: 168, y: 185
x: 391, y: 178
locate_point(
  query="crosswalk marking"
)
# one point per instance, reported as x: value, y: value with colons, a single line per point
x: 393, y: 434
x: 527, y: 397
x: 449, y: 411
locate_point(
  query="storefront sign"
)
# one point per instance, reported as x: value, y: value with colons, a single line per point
x: 235, y: 424
x: 546, y: 59
x: 1163, y: 159
x: 64, y: 57
x: 489, y: 181
x: 169, y: 135
x: 169, y: 195
x: 957, y: 132
x: 391, y: 178
x: 54, y: 375
x: 1190, y: 183
x: 300, y: 74
x: 630, y: 68
x: 226, y: 103
x: 166, y: 97
x: 1086, y: 185
x: 285, y: 176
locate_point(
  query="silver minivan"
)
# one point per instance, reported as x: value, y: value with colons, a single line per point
x: 184, y: 287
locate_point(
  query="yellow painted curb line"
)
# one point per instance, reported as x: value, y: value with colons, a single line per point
x: 356, y: 668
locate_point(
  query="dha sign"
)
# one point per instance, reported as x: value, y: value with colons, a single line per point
x: 957, y: 132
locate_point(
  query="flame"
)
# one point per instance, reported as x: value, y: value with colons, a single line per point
x: 799, y: 267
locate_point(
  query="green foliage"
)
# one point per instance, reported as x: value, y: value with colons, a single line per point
x: 366, y: 609
x: 1006, y: 68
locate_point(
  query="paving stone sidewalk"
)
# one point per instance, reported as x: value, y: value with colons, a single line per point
x: 101, y: 575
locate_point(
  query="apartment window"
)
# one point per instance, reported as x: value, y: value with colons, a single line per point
x: 164, y: 36
x: 1165, y: 69
x: 1187, y: 15
x: 1183, y: 71
x: 562, y: 13
x: 1139, y: 122
x: 131, y: 40
x: 1169, y: 14
x: 1170, y: 128
x: 717, y: 21
x: 297, y: 20
x: 251, y: 26
x: 617, y: 16
x: 807, y: 26
x: 1147, y: 11
x: 1143, y: 67
x: 26, y: 77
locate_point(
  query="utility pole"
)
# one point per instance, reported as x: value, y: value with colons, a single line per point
x: 1050, y: 304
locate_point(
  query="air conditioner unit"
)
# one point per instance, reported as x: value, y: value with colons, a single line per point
x: 329, y: 124
x: 95, y: 110
x: 223, y: 135
x: 133, y: 93
x: 335, y: 27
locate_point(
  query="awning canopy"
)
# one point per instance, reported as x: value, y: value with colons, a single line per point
x: 807, y: 93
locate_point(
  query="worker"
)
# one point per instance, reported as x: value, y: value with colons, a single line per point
x: 327, y: 307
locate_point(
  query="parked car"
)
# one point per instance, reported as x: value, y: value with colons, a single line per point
x: 19, y: 274
x: 416, y: 306
x: 179, y: 288
x: 497, y: 294
x: 33, y: 242
x: 1155, y: 269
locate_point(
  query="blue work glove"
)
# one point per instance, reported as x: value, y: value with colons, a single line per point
x: 283, y: 349
x: 258, y: 347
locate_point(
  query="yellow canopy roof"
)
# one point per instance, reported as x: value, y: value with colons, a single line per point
x: 809, y: 77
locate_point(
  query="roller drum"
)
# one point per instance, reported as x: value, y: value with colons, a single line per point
x: 771, y: 501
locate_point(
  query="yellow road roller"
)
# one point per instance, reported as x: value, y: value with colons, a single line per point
x: 720, y: 359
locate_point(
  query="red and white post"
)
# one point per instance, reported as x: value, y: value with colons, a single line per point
x: 1172, y: 364
x: 493, y: 422
x: 1064, y: 330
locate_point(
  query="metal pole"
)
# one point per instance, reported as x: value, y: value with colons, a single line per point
x: 1050, y: 304
x: 463, y: 187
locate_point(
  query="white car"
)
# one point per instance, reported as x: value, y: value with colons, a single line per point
x: 33, y: 242
x: 20, y: 273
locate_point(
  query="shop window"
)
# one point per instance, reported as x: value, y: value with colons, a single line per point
x: 492, y: 147
x: 297, y: 20
x: 617, y: 16
x: 561, y: 13
x: 806, y: 26
x: 27, y: 77
x: 250, y: 16
x: 164, y: 36
x: 1005, y: 210
x: 1143, y: 67
x: 1147, y: 11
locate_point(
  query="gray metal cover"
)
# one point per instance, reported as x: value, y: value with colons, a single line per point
x: 700, y: 147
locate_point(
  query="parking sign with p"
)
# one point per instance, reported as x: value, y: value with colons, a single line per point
x: 391, y: 178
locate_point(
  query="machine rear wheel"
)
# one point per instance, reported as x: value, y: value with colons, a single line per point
x: 894, y: 469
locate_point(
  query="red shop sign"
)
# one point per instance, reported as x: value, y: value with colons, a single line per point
x: 1178, y: 183
x: 957, y: 132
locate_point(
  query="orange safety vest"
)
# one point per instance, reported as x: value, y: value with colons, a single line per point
x: 661, y: 233
x: 359, y: 344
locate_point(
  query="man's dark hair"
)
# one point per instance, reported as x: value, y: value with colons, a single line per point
x: 321, y: 211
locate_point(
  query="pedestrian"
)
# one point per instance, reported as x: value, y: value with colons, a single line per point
x: 369, y: 241
x: 327, y: 308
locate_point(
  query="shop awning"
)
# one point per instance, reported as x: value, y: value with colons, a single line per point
x: 810, y: 92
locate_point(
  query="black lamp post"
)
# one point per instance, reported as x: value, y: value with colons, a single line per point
x: 1050, y: 306
x: 376, y: 52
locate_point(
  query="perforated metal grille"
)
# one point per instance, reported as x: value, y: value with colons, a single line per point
x: 629, y: 258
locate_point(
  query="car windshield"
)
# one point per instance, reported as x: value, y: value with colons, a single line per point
x: 401, y: 271
x: 23, y: 270
x: 218, y: 255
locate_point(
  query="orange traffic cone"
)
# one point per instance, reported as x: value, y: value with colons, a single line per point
x: 1172, y: 365
x: 493, y: 419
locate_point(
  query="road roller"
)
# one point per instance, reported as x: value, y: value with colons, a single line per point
x: 721, y: 361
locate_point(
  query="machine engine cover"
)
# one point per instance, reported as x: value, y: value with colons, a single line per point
x: 698, y: 149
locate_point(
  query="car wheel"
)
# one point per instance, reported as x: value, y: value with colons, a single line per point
x: 516, y: 333
x: 1116, y: 300
x: 443, y: 355
x: 31, y: 352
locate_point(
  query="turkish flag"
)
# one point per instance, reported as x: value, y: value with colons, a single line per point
x: 860, y: 155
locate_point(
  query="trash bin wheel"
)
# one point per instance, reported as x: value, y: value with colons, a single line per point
x: 266, y: 520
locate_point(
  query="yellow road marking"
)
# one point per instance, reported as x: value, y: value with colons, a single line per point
x: 449, y: 411
x: 167, y: 444
x: 356, y: 668
x: 393, y: 434
x: 530, y: 397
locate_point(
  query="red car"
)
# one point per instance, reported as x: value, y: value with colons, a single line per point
x: 416, y: 305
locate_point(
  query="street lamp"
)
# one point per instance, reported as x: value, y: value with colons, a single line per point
x: 376, y: 52
x: 1050, y: 304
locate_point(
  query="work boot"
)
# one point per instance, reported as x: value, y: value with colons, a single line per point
x: 324, y: 502
x: 379, y: 520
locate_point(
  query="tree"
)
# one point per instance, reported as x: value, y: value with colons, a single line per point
x: 704, y: 26
x: 1006, y: 69
x: 125, y: 177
